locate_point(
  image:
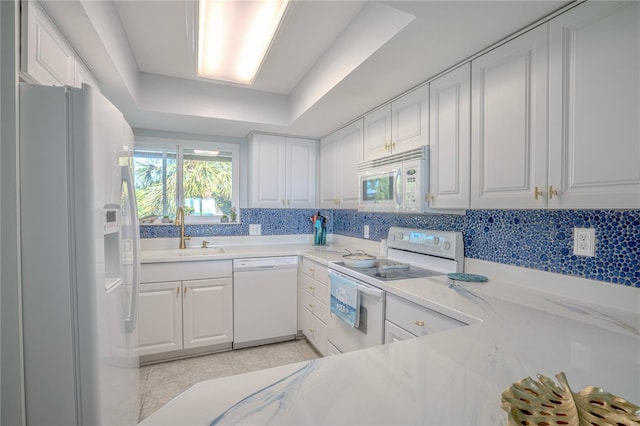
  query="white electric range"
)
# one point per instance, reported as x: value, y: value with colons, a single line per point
x: 412, y: 254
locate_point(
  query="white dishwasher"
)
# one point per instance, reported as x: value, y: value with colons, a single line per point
x: 265, y: 300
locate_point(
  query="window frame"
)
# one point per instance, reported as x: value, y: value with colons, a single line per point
x: 180, y: 145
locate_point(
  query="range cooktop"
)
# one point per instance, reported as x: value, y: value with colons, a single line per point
x: 390, y: 270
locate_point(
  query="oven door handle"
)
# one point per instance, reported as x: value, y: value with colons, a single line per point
x: 362, y: 287
x: 371, y: 291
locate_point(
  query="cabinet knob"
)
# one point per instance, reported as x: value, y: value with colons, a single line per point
x: 311, y: 330
x: 288, y: 202
x: 311, y: 305
x: 177, y: 290
x: 311, y: 288
x: 429, y: 197
x: 283, y: 203
x: 185, y: 290
x: 419, y: 323
x: 537, y: 193
x: 552, y: 192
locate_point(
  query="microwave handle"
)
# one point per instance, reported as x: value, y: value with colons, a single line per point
x: 398, y: 183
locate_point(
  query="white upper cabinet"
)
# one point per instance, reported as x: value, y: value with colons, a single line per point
x: 594, y: 136
x: 399, y: 126
x: 450, y: 139
x: 46, y: 56
x: 377, y: 133
x: 509, y: 124
x: 283, y: 172
x: 340, y: 153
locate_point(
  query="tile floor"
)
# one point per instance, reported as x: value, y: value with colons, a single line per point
x: 160, y: 383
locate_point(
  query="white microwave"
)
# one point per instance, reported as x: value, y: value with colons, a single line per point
x: 397, y: 183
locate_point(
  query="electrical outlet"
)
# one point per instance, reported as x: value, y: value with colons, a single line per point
x: 584, y: 241
x: 255, y: 229
x: 366, y: 231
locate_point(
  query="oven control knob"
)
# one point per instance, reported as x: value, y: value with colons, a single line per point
x: 401, y: 236
x: 447, y: 245
x: 436, y: 240
x: 392, y: 237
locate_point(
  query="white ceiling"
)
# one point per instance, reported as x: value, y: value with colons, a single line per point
x: 331, y: 61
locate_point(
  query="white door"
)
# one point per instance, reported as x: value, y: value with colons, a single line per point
x: 160, y: 317
x: 207, y: 312
x: 329, y: 171
x: 377, y: 133
x: 300, y: 176
x: 410, y: 120
x: 349, y: 155
x: 267, y: 174
x: 509, y: 124
x: 450, y: 139
x: 594, y: 146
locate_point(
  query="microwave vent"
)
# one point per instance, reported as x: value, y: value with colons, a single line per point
x: 414, y: 154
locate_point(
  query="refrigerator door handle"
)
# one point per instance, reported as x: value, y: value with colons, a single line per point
x: 130, y: 319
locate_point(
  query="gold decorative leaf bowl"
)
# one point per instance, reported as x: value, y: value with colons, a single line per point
x: 544, y: 403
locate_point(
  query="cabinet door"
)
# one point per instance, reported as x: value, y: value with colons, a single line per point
x: 160, y: 318
x: 594, y: 137
x: 450, y: 139
x: 83, y: 75
x: 349, y: 155
x: 267, y: 174
x: 329, y: 172
x: 46, y: 56
x: 410, y: 120
x: 315, y: 331
x: 393, y: 333
x: 377, y: 133
x: 509, y: 124
x: 207, y: 312
x: 300, y: 176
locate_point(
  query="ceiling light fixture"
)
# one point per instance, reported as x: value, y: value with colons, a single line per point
x: 234, y: 36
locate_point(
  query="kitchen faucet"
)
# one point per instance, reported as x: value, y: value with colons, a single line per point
x: 180, y: 223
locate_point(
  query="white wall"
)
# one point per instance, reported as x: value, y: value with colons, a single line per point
x: 11, y: 389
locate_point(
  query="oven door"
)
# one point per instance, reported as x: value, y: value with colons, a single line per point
x: 370, y: 331
x: 380, y: 188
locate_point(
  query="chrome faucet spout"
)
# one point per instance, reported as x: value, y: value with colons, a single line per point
x: 180, y: 223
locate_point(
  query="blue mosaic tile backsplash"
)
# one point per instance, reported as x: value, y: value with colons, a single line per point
x: 537, y: 239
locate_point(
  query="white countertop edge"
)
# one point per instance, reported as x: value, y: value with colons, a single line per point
x: 616, y: 296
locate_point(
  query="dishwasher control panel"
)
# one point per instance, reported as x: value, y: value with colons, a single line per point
x: 266, y: 262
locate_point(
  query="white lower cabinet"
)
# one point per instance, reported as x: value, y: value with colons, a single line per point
x: 207, y: 312
x: 314, y: 312
x: 405, y: 319
x: 160, y: 317
x: 187, y: 310
x: 393, y: 333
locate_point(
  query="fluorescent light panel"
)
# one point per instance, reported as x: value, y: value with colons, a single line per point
x: 234, y: 36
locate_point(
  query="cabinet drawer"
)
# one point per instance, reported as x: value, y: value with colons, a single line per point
x: 182, y: 271
x: 315, y: 306
x: 315, y: 331
x: 315, y: 270
x: 315, y: 288
x: 417, y: 319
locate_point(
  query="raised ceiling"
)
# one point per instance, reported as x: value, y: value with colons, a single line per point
x: 331, y: 61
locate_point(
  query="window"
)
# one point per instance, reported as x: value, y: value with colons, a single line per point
x: 202, y: 175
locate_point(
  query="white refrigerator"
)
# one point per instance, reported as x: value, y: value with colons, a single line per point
x: 79, y: 258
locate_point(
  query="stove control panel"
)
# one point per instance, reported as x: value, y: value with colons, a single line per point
x: 448, y: 245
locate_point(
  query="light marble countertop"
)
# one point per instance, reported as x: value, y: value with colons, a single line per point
x: 454, y: 377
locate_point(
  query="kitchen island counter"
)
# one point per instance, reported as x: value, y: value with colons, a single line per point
x: 454, y: 377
